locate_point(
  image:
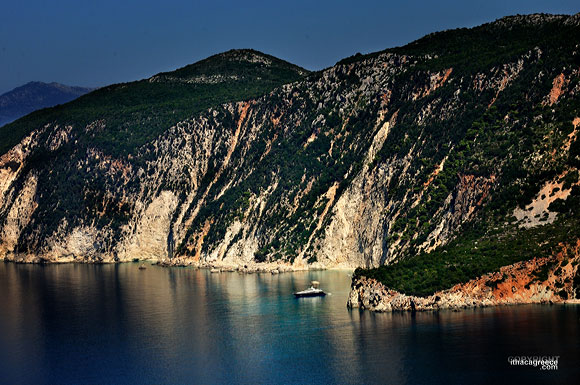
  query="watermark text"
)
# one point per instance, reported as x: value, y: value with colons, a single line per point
x: 541, y: 362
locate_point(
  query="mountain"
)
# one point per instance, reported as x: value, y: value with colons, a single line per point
x: 34, y: 96
x: 428, y: 164
x: 136, y: 113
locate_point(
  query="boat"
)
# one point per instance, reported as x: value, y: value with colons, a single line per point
x: 312, y: 291
x: 142, y: 267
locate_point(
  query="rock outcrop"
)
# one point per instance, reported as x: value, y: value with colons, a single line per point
x: 540, y: 280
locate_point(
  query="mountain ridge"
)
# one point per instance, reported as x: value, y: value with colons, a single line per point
x: 138, y: 111
x: 217, y: 64
x: 36, y: 95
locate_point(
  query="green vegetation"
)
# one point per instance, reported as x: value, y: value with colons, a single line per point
x: 471, y: 256
x: 135, y: 113
x: 470, y: 50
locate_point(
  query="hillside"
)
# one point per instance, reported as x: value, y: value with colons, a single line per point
x: 453, y: 155
x: 137, y: 112
x: 35, y: 96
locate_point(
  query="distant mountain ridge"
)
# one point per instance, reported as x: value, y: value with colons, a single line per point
x: 36, y: 95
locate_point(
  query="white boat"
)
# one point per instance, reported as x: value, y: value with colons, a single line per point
x: 312, y: 291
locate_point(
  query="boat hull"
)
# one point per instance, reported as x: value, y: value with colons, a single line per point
x: 300, y: 295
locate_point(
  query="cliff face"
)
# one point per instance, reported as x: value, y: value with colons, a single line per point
x: 373, y: 160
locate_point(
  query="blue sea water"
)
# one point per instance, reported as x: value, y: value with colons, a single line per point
x: 115, y: 324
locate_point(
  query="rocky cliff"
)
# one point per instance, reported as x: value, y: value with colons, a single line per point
x: 554, y: 279
x: 244, y: 159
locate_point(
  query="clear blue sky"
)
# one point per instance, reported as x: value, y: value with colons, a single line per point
x: 94, y: 43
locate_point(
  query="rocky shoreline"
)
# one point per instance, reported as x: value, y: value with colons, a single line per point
x: 248, y: 268
x: 219, y: 267
x: 519, y: 283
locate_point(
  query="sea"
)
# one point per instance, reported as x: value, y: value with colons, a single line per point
x: 116, y: 324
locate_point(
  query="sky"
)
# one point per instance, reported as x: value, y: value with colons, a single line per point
x: 98, y: 42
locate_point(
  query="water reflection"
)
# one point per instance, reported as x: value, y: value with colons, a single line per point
x: 115, y: 323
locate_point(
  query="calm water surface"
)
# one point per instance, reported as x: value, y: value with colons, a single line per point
x: 108, y: 324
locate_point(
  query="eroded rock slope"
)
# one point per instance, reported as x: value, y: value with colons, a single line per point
x: 376, y: 159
